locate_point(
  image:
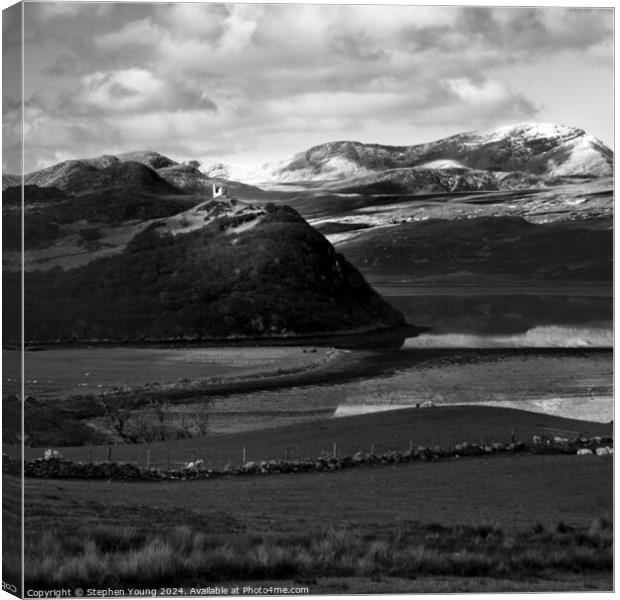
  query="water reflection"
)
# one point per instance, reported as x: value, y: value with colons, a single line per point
x: 538, y: 337
x: 504, y: 311
x: 569, y: 382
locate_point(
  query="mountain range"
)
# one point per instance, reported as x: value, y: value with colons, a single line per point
x: 117, y: 252
x: 141, y: 235
x: 510, y: 157
x: 131, y: 172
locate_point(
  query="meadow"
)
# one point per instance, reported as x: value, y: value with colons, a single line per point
x: 501, y: 523
x: 383, y: 432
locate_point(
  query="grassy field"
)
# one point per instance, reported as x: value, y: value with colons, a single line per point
x: 497, y: 523
x: 11, y: 530
x: 501, y: 523
x: 386, y: 431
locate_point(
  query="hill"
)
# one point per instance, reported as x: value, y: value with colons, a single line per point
x: 221, y: 270
x: 102, y: 173
x: 543, y: 150
x: 190, y: 179
x: 143, y: 171
x: 483, y: 250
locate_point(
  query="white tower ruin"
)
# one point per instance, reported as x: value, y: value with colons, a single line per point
x: 218, y: 191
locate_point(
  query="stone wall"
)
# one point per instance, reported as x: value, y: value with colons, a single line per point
x: 59, y: 468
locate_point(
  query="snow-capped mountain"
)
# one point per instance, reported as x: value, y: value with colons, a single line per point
x: 540, y: 149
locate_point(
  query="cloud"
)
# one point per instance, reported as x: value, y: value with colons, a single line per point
x: 64, y: 64
x: 200, y: 20
x: 52, y: 10
x: 206, y: 77
x: 239, y: 26
x: 139, y: 32
x: 121, y: 91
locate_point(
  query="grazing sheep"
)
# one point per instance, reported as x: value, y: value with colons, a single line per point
x: 49, y: 454
x: 584, y: 451
x: 194, y: 465
x: 602, y: 451
x: 536, y: 439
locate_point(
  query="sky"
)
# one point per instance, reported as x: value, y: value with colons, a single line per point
x: 250, y: 83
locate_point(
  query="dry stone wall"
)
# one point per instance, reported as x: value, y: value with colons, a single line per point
x: 56, y: 467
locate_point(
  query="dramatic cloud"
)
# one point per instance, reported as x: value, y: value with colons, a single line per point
x: 249, y: 83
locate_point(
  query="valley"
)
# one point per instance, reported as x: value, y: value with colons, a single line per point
x: 357, y: 295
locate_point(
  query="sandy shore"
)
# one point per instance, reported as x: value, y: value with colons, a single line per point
x: 62, y: 373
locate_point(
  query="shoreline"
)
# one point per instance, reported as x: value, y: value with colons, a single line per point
x: 341, y: 365
x: 386, y: 337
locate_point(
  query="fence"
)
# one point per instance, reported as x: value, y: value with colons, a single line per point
x: 218, y: 452
x: 549, y: 433
x: 167, y: 458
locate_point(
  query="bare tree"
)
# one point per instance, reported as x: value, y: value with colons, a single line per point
x: 202, y: 414
x: 161, y: 409
x: 119, y: 410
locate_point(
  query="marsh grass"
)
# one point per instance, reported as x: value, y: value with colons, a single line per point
x: 117, y: 556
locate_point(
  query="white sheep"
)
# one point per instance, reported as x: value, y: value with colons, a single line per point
x: 584, y: 451
x: 49, y: 454
x: 194, y: 465
x: 536, y: 439
x: 602, y: 451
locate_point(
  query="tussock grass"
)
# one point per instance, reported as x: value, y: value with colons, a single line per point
x: 117, y: 556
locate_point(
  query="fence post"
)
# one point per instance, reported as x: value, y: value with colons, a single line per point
x: 244, y: 461
x: 335, y: 453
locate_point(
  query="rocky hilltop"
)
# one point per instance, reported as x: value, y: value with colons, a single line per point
x: 505, y: 158
x: 156, y: 263
x: 132, y: 172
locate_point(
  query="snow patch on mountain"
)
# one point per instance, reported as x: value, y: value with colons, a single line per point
x: 585, y: 158
x: 442, y: 163
x: 531, y: 131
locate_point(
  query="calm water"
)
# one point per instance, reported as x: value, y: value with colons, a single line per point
x: 546, y: 350
x: 566, y: 382
x: 544, y: 353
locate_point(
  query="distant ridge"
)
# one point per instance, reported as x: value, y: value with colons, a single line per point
x: 143, y: 172
x: 544, y: 150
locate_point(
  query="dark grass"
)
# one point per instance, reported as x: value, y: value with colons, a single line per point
x: 509, y: 518
x: 11, y: 530
x: 509, y: 492
x: 121, y: 557
x: 387, y: 431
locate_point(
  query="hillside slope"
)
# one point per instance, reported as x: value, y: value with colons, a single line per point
x: 145, y: 171
x: 219, y: 271
x: 103, y: 173
x: 481, y: 251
